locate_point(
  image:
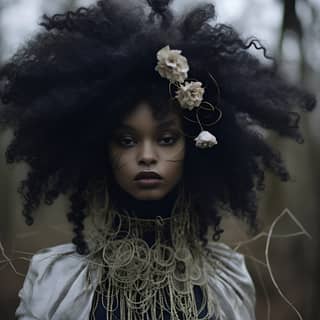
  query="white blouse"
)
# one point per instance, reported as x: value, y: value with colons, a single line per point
x: 56, y: 285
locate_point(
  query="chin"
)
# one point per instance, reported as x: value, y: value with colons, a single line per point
x: 149, y: 195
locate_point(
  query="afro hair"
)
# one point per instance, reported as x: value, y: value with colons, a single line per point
x: 65, y: 91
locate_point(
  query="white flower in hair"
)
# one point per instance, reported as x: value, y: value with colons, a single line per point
x: 205, y: 140
x: 190, y: 94
x: 172, y: 65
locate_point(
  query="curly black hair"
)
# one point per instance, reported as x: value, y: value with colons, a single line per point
x: 66, y: 89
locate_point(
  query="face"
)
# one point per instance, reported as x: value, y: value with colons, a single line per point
x: 147, y: 154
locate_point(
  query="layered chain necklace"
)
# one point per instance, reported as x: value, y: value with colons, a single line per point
x: 148, y: 268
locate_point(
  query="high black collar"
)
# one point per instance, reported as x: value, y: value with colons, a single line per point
x: 144, y: 208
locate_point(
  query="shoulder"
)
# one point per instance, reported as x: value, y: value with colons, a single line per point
x: 58, y: 256
x: 57, y: 276
x: 52, y: 265
x: 230, y: 282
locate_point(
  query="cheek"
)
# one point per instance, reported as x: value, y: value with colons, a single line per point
x: 175, y: 163
x: 118, y: 163
x: 177, y: 169
x: 122, y: 168
x: 180, y: 164
x: 175, y: 154
x: 118, y: 159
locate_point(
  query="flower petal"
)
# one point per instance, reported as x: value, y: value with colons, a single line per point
x: 205, y: 140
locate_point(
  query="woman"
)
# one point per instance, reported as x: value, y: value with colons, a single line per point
x: 148, y: 122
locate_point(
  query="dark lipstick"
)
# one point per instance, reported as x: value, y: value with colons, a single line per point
x: 144, y: 175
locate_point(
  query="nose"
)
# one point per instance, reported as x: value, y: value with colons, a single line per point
x: 147, y: 154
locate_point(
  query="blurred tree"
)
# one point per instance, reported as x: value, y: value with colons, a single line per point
x: 2, y: 5
x: 305, y: 163
x: 5, y: 220
x: 291, y: 22
x: 314, y: 311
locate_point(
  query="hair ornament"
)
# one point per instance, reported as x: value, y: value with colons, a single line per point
x: 190, y: 95
x: 173, y: 66
x: 205, y: 140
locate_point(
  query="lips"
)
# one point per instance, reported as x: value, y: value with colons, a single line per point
x: 145, y: 175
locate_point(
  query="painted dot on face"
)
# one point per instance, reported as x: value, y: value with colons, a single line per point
x: 147, y: 154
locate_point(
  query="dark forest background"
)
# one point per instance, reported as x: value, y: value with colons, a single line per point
x: 291, y: 29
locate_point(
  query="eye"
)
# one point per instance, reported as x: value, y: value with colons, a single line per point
x: 126, y: 141
x: 168, y: 140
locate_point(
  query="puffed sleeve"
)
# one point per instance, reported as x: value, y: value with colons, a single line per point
x: 56, y: 286
x: 232, y: 288
x: 24, y: 311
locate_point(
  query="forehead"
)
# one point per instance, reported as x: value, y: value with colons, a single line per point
x: 143, y: 115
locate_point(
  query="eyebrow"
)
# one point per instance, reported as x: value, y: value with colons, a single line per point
x: 162, y: 125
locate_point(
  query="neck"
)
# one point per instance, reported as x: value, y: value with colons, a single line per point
x: 147, y: 209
